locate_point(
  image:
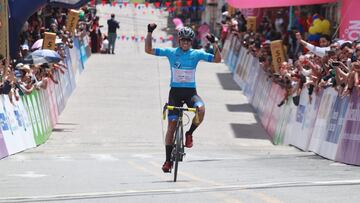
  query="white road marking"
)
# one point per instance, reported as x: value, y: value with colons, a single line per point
x: 225, y: 188
x: 142, y: 156
x: 29, y: 174
x: 104, y: 157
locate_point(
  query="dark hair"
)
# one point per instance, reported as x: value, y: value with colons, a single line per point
x: 327, y: 37
x: 346, y: 44
x: 112, y: 15
x: 357, y: 49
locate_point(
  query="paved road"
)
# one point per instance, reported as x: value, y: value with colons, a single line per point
x: 108, y: 144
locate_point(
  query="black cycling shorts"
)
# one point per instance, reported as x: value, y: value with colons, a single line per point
x: 179, y: 96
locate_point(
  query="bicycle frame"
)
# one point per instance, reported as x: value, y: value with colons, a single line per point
x: 178, y: 151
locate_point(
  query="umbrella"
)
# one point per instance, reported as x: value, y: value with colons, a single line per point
x: 203, y: 30
x: 38, y: 44
x: 178, y: 23
x: 42, y: 56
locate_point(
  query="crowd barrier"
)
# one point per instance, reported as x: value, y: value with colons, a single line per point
x: 28, y: 122
x: 328, y: 125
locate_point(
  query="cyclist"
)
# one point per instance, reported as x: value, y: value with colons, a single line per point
x: 183, y: 61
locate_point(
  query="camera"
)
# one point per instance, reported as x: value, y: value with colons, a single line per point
x: 335, y: 63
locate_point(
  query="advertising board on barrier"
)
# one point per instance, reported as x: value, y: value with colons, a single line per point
x: 285, y: 112
x: 348, y: 151
x: 304, y: 121
x: 251, y: 79
x: 52, y: 104
x: 3, y: 150
x: 322, y: 120
x: 231, y: 50
x: 235, y: 55
x: 276, y: 95
x: 29, y: 121
x: 13, y: 141
x: 329, y: 146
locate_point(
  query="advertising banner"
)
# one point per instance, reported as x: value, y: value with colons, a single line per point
x: 42, y: 113
x: 322, y: 120
x: 13, y: 141
x: 349, y: 146
x: 41, y: 132
x: 264, y: 95
x: 329, y: 146
x: 75, y: 58
x: 285, y: 112
x: 350, y: 21
x: 24, y: 126
x: 70, y: 70
x: 3, y: 150
x: 226, y: 48
x: 230, y: 51
x: 254, y: 69
x: 30, y: 109
x: 27, y: 124
x: 304, y: 121
x: 52, y: 103
x: 275, y: 97
x: 258, y: 89
x: 59, y: 93
x: 235, y: 56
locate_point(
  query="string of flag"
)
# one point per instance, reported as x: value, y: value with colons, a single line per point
x: 142, y: 38
x: 189, y: 5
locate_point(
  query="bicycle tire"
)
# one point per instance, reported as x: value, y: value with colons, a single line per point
x: 178, y: 151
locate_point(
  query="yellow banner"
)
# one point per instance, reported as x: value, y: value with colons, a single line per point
x: 277, y: 53
x: 72, y: 20
x: 49, y: 41
x: 4, y: 28
x: 251, y: 23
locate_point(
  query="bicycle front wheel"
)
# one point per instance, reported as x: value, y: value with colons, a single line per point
x: 178, y: 151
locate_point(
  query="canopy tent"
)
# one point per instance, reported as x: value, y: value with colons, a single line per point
x: 21, y: 10
x: 273, y: 3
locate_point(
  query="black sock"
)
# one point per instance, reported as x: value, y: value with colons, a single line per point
x: 192, y: 128
x: 168, y: 149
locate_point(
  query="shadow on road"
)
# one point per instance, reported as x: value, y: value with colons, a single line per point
x: 240, y: 108
x: 227, y: 82
x: 249, y: 131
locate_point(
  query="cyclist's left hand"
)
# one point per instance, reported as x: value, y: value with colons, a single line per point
x: 211, y: 38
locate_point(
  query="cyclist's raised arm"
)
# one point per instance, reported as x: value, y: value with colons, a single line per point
x: 148, y: 41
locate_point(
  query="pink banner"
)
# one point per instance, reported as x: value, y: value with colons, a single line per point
x: 350, y: 22
x: 275, y: 3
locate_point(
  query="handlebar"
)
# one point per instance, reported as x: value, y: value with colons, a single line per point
x: 170, y: 108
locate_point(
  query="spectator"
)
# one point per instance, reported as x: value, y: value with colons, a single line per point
x: 113, y: 25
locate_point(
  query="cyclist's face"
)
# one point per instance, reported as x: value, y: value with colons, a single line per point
x: 185, y: 44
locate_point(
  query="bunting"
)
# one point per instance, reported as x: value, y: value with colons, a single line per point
x: 169, y: 6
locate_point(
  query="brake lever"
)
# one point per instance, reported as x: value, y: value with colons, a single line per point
x: 164, y: 111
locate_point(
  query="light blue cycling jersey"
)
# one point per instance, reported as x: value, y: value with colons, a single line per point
x: 183, y: 64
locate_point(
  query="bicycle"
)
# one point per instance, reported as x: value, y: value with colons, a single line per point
x: 178, y: 151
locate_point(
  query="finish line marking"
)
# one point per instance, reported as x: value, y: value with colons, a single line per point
x: 128, y: 193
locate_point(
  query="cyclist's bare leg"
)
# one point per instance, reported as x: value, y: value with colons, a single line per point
x: 195, y: 124
x: 169, y: 143
x: 170, y: 132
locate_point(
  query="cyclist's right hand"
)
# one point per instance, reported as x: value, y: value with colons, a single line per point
x: 151, y: 27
